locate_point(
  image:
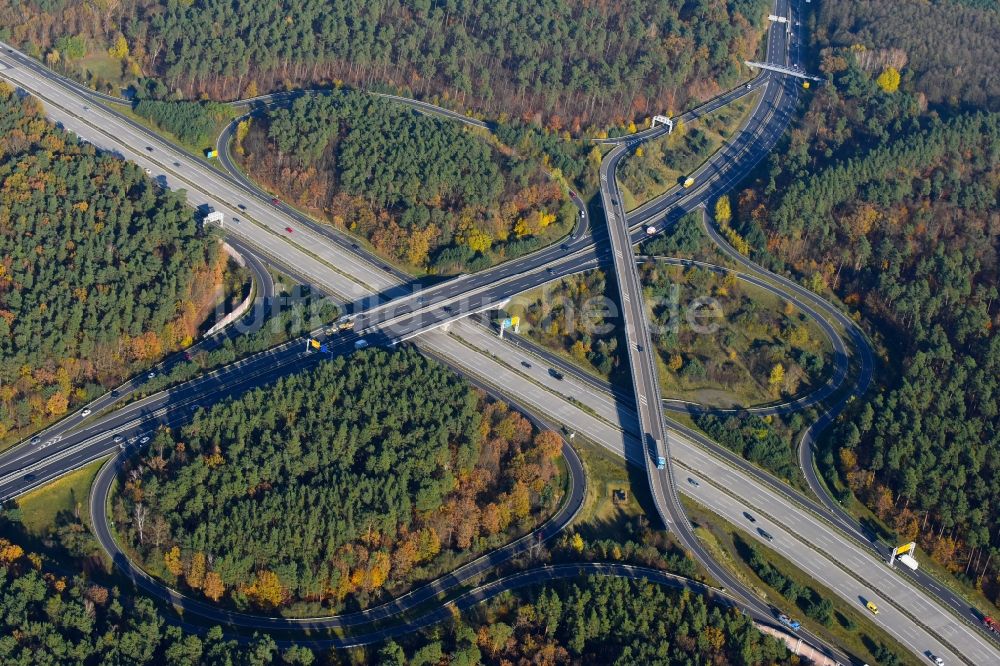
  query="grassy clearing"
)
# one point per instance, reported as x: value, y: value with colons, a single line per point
x: 40, y: 507
x: 659, y: 165
x: 850, y: 626
x: 729, y: 362
x: 601, y: 517
x: 97, y: 68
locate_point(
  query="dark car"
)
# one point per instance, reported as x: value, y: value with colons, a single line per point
x: 241, y: 206
x: 764, y: 533
x: 693, y: 481
x: 749, y: 516
x: 525, y: 364
x: 555, y: 373
x: 149, y: 148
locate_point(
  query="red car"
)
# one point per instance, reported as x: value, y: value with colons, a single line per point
x: 275, y: 201
x: 288, y: 229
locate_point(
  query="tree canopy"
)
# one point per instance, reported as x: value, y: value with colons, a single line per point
x: 894, y: 208
x: 346, y: 480
x: 560, y: 62
x: 423, y: 190
x: 49, y: 618
x: 101, y: 272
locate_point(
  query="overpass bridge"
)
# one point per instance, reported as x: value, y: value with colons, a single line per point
x: 791, y: 71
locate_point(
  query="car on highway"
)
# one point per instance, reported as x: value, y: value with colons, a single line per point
x: 118, y: 439
x: 749, y: 516
x: 115, y: 393
x: 289, y: 229
x: 241, y: 206
x: 150, y: 374
x: 693, y: 481
x: 29, y: 477
x: 765, y: 534
x: 85, y: 412
x: 149, y: 148
x: 525, y: 364
x: 937, y: 660
x: 275, y: 200
x: 870, y: 605
x: 36, y: 440
x: 583, y: 214
x: 555, y: 374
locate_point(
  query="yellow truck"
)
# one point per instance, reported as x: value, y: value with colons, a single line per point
x: 689, y: 181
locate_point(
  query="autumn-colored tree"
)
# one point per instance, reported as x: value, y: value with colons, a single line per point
x: 490, y: 519
x: 172, y: 560
x: 723, y: 211
x: 251, y: 90
x: 675, y: 362
x: 520, y: 500
x: 57, y: 403
x: 777, y: 377
x: 119, y: 50
x: 195, y: 575
x: 549, y: 444
x: 9, y: 552
x: 378, y: 570
x: 888, y: 80
x: 266, y: 589
x: 576, y: 542
x: 242, y: 129
x: 213, y: 587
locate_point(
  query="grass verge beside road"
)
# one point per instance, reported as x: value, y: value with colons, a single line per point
x: 40, y: 508
x: 848, y: 626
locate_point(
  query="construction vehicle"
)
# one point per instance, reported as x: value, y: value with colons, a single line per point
x: 789, y: 622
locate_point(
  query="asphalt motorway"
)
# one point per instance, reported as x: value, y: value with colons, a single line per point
x: 705, y: 195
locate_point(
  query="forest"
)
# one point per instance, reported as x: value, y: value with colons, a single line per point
x: 101, y: 272
x: 422, y: 190
x: 561, y: 64
x: 948, y: 47
x: 596, y: 621
x: 345, y: 483
x: 892, y: 206
x: 49, y: 617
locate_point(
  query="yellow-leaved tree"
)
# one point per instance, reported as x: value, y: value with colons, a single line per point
x: 119, y: 50
x: 889, y: 80
x: 723, y: 211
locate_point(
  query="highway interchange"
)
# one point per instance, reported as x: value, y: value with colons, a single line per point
x: 332, y: 262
